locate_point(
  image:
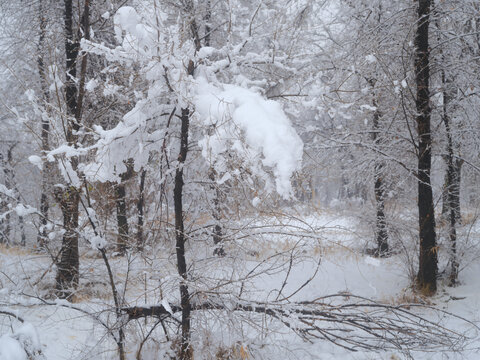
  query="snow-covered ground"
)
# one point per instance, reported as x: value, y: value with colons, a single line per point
x: 324, y: 252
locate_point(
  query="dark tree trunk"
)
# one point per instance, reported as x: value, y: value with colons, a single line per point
x: 140, y: 211
x: 451, y: 186
x: 44, y: 205
x: 10, y: 183
x: 122, y: 220
x: 457, y: 178
x: 6, y: 227
x: 121, y: 209
x: 381, y: 232
x: 217, y: 215
x: 427, y: 273
x: 208, y: 16
x: 68, y: 266
x: 186, y: 352
x: 23, y: 237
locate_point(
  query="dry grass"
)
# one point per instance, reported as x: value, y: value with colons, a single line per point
x: 408, y: 296
x: 469, y: 218
x: 16, y: 250
x: 234, y: 352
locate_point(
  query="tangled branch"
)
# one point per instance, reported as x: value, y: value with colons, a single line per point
x: 352, y: 322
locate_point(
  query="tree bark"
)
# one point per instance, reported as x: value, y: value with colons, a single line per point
x: 122, y: 220
x: 217, y: 215
x: 44, y: 205
x: 207, y: 17
x: 451, y: 181
x: 427, y: 273
x: 186, y: 352
x: 6, y: 226
x: 140, y: 211
x: 68, y: 266
x: 451, y: 186
x: 381, y: 232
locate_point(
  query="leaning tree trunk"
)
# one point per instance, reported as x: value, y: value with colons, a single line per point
x: 68, y: 266
x: 427, y: 273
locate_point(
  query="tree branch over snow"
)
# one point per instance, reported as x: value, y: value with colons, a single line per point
x: 346, y: 320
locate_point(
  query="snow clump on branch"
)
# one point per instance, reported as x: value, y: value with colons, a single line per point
x: 268, y: 133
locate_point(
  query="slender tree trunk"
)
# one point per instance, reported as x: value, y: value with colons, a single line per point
x: 450, y: 183
x: 12, y: 183
x: 456, y: 189
x: 427, y: 273
x: 207, y: 17
x: 445, y: 188
x: 44, y: 205
x: 122, y: 220
x: 140, y: 211
x: 6, y: 230
x: 4, y: 226
x: 121, y: 207
x: 186, y: 351
x: 217, y: 215
x: 381, y: 232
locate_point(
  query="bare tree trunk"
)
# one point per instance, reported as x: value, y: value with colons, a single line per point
x: 13, y: 183
x: 207, y: 17
x: 6, y: 227
x: 122, y: 221
x: 381, y: 232
x: 457, y: 178
x: 427, y: 273
x: 451, y: 174
x: 10, y: 183
x: 217, y: 215
x: 121, y: 205
x: 140, y: 211
x: 186, y: 351
x: 68, y: 266
x: 44, y: 205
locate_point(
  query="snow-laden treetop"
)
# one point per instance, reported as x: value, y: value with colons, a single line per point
x: 236, y: 120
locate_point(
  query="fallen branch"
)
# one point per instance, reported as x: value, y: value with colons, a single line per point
x: 357, y: 324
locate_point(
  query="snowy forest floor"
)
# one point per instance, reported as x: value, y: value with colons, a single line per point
x: 273, y: 256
